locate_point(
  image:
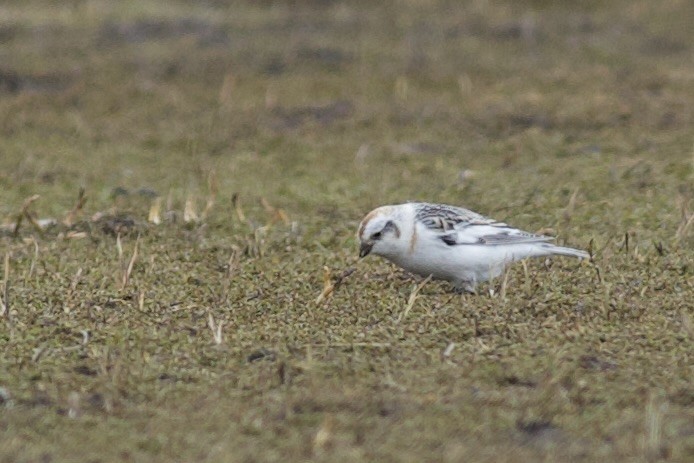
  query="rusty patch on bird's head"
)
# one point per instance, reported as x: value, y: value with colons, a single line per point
x: 376, y: 212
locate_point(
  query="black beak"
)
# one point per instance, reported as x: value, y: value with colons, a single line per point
x: 365, y: 249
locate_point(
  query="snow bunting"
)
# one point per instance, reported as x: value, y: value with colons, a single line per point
x: 450, y: 243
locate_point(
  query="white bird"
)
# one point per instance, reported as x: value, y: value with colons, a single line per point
x: 450, y: 243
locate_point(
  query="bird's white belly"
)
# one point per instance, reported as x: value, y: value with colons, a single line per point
x: 457, y: 263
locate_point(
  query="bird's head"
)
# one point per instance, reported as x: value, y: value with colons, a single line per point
x: 380, y: 232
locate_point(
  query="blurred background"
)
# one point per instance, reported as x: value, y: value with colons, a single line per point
x: 342, y: 102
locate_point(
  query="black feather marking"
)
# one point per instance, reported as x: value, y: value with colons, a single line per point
x: 390, y: 226
x: 451, y: 240
x: 445, y: 218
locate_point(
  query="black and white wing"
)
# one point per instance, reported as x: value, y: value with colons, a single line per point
x: 458, y: 226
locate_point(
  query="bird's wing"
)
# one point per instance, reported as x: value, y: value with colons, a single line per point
x: 439, y: 217
x: 456, y: 226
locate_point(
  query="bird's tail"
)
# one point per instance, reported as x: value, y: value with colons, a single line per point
x: 571, y: 252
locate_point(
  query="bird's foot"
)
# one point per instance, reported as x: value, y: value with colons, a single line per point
x: 465, y: 287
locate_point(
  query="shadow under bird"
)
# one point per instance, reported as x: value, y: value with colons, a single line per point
x: 450, y: 243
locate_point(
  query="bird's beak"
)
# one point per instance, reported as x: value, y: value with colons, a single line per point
x: 365, y: 248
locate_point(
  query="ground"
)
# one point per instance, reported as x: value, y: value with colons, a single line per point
x: 243, y: 327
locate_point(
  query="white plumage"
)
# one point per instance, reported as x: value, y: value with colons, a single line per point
x: 450, y: 243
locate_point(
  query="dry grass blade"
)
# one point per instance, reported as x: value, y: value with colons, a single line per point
x: 71, y: 216
x: 271, y: 211
x: 328, y: 286
x: 154, y: 215
x: 267, y: 206
x: 231, y: 268
x: 75, y: 235
x: 71, y: 290
x: 129, y: 269
x: 598, y: 274
x: 276, y: 215
x: 504, y: 284
x: 76, y: 279
x: 568, y: 212
x: 119, y: 247
x: 625, y: 244
x: 448, y: 350
x: 34, y: 259
x: 74, y: 407
x: 684, y: 226
x: 37, y: 223
x: 324, y: 435
x: 169, y: 201
x: 526, y: 274
x: 283, y: 216
x: 236, y: 202
x: 591, y: 249
x: 189, y: 214
x: 216, y: 329
x: 213, y: 188
x: 413, y: 298
x: 73, y: 287
x: 233, y: 262
x: 686, y: 217
x: 25, y: 213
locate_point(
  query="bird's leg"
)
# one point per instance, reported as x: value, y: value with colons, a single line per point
x: 465, y: 286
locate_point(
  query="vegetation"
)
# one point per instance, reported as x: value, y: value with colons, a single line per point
x: 196, y: 294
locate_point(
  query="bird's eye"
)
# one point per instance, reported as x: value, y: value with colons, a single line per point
x: 377, y: 236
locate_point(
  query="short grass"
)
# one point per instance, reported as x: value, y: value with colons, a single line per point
x: 264, y: 131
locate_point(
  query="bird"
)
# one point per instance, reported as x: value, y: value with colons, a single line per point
x: 450, y: 243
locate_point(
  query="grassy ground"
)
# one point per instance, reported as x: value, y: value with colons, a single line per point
x: 203, y: 340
